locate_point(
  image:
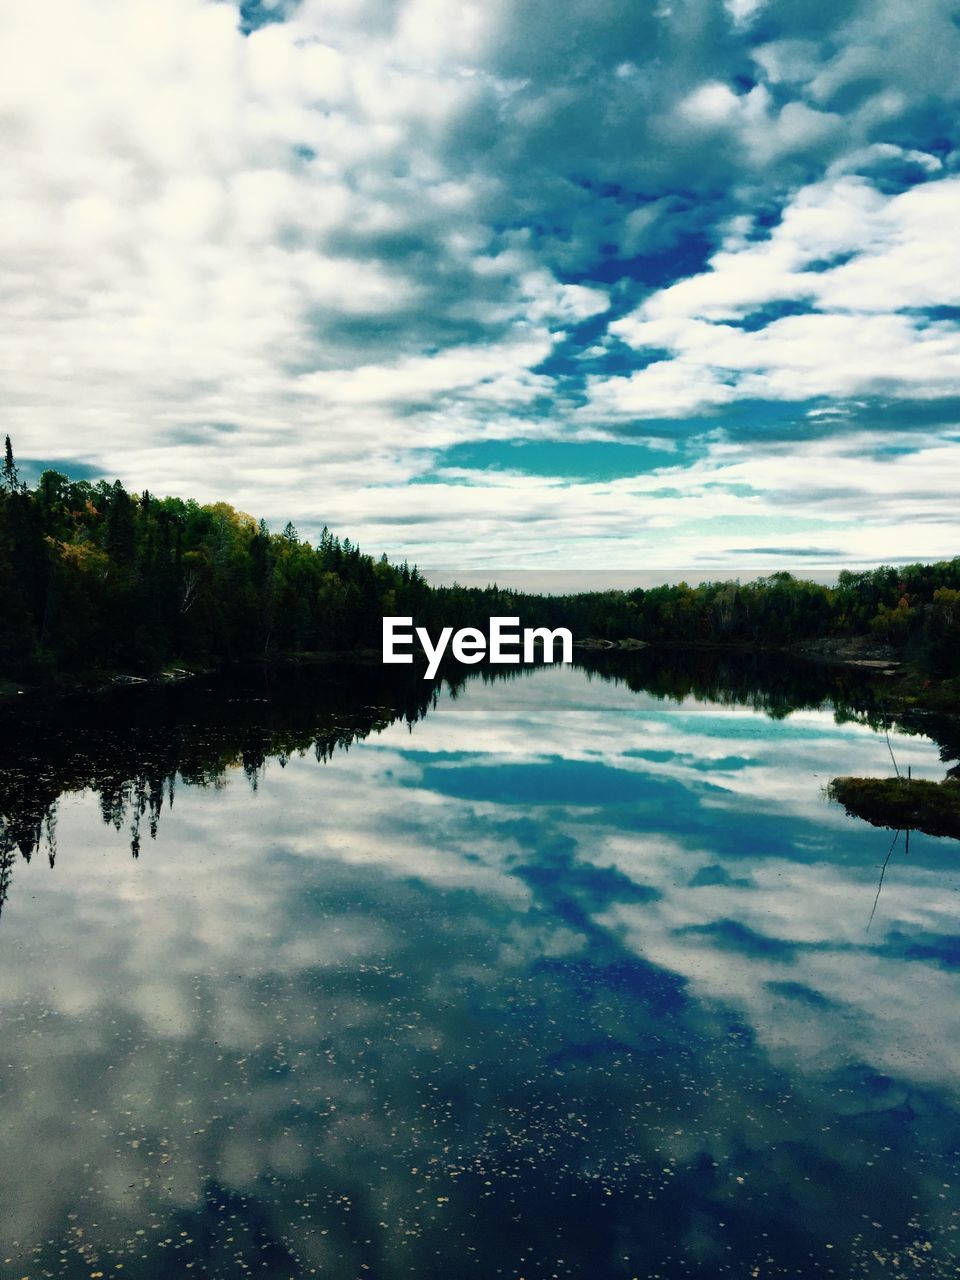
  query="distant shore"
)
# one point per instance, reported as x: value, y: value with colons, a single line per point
x: 898, y: 684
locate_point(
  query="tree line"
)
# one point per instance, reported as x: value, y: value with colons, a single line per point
x: 913, y: 608
x: 92, y: 576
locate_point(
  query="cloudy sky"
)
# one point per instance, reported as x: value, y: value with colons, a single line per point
x: 496, y: 283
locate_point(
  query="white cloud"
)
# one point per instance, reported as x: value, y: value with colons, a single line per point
x: 793, y: 358
x: 664, y: 389
x: 276, y: 269
x: 711, y: 104
x: 209, y: 228
x: 742, y: 11
x: 890, y: 254
x: 764, y: 131
x: 789, y: 61
x: 421, y: 377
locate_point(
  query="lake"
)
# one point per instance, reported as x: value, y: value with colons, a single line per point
x: 574, y: 973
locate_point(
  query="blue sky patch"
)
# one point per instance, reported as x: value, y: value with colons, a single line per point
x: 589, y: 460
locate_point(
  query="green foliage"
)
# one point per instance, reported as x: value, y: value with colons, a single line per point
x: 92, y: 576
x: 941, y: 631
x: 901, y: 803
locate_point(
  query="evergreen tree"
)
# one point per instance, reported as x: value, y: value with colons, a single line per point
x: 10, y: 476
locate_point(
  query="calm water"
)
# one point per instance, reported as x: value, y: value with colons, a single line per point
x: 553, y: 978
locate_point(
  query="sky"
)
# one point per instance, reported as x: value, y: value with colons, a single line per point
x: 496, y: 284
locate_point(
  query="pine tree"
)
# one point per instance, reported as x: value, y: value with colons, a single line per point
x: 10, y: 481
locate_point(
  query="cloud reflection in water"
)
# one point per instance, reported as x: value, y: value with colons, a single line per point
x: 565, y: 980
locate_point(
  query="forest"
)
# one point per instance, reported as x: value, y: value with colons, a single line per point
x: 94, y: 578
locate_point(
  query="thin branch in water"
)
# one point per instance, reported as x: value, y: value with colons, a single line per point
x: 883, y: 872
x: 886, y: 734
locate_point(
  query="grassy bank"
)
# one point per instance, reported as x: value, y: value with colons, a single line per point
x: 902, y: 803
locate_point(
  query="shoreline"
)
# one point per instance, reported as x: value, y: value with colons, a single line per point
x: 903, y: 686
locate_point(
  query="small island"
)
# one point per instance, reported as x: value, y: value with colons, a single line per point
x: 903, y: 804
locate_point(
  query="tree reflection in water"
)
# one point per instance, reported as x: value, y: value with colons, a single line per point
x: 132, y: 746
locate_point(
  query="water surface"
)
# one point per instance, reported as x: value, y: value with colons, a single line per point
x: 553, y: 977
